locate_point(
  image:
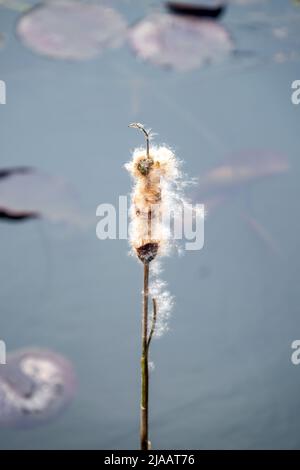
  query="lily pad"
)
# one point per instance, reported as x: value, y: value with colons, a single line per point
x: 243, y: 169
x: 70, y: 29
x: 181, y: 43
x: 235, y: 178
x: 194, y: 9
x: 35, y: 386
x: 27, y: 193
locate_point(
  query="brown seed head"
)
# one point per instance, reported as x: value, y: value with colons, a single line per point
x: 147, y: 252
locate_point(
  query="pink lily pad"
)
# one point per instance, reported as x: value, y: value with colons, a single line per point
x: 181, y: 43
x: 70, y: 29
x: 28, y: 193
x: 35, y: 386
x: 243, y: 169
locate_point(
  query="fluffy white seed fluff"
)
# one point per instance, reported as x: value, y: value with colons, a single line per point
x: 158, y: 192
x: 157, y: 189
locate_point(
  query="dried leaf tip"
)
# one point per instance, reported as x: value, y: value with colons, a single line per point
x: 138, y: 125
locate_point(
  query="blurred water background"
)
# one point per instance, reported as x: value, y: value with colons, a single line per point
x: 223, y: 376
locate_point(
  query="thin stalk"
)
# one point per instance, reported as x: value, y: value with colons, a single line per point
x: 144, y: 365
x: 145, y: 339
x: 145, y: 356
x: 154, y: 315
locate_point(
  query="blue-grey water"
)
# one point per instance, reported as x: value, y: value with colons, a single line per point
x: 223, y: 374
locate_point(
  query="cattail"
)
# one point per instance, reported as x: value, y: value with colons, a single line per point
x: 156, y: 175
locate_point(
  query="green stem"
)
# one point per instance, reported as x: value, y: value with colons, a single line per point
x: 144, y: 364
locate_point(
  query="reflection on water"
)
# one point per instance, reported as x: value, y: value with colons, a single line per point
x: 223, y: 376
x: 34, y: 385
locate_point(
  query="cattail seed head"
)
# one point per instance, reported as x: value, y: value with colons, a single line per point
x: 144, y: 165
x: 153, y: 177
x: 157, y: 192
